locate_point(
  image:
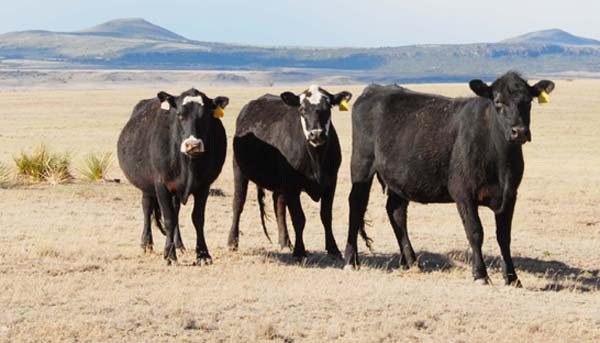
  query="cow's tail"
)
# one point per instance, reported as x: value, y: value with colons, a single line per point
x: 363, y: 233
x: 158, y: 219
x: 260, y: 195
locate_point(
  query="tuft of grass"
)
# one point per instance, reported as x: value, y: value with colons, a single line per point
x: 95, y: 166
x: 5, y: 174
x: 42, y: 165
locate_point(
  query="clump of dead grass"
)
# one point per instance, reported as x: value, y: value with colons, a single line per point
x: 266, y: 332
x: 6, y: 175
x: 95, y: 166
x: 47, y: 251
x: 43, y: 165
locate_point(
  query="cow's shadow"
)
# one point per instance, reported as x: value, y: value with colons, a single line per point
x: 557, y: 275
x: 427, y: 261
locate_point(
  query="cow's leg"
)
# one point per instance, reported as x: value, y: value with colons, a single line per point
x: 503, y: 229
x: 298, y: 221
x: 279, y: 206
x: 396, y: 209
x: 240, y: 183
x: 177, y: 237
x: 202, y: 255
x: 474, y: 230
x: 358, y: 201
x: 147, y: 205
x: 166, y: 207
x: 326, y: 210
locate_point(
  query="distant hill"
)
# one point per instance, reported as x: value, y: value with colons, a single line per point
x: 138, y: 44
x: 133, y: 28
x: 552, y: 36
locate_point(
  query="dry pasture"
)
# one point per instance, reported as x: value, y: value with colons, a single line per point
x: 72, y: 270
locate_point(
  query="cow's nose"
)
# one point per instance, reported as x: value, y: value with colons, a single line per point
x: 520, y: 134
x: 192, y: 146
x: 316, y: 137
x: 315, y: 134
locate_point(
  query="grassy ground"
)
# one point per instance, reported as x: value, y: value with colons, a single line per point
x: 72, y: 269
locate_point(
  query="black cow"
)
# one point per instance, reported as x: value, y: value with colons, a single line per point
x: 173, y: 147
x: 433, y: 149
x: 287, y: 144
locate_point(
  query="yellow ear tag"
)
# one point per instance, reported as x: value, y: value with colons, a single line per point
x: 219, y: 113
x: 543, y: 98
x: 343, y: 106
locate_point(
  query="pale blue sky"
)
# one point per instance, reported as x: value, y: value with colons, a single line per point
x: 363, y: 23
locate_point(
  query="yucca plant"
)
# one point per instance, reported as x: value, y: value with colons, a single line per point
x: 5, y: 174
x: 95, y: 166
x: 43, y: 165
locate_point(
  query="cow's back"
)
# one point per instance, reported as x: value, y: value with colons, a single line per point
x: 133, y: 145
x: 407, y: 138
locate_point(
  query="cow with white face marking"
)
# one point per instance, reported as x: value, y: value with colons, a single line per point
x: 287, y: 144
x: 173, y: 147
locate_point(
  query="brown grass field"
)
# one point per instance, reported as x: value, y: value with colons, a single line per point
x: 72, y: 270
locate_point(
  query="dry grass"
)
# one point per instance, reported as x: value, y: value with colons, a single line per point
x: 43, y: 165
x: 95, y: 166
x: 6, y: 175
x: 71, y: 268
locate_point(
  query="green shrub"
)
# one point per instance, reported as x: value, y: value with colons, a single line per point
x: 42, y: 165
x: 96, y: 166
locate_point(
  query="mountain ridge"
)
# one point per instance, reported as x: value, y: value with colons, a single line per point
x: 132, y: 28
x: 551, y: 36
x: 134, y: 43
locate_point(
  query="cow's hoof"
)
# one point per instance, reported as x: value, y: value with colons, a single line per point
x: 232, y: 245
x: 350, y: 268
x: 286, y: 246
x: 335, y: 255
x: 203, y: 261
x: 483, y: 281
x: 172, y: 262
x: 300, y: 255
x: 148, y: 249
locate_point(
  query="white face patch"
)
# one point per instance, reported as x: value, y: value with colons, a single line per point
x: 197, y: 99
x: 327, y: 125
x: 165, y: 105
x: 315, y: 95
x: 303, y: 122
x: 192, y: 144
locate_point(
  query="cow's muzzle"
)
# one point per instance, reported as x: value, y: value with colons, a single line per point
x: 520, y: 134
x: 316, y: 137
x: 192, y: 146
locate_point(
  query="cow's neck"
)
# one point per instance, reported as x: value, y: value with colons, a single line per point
x: 184, y: 178
x: 509, y: 162
x: 317, y: 157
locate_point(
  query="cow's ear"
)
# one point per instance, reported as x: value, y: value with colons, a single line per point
x: 543, y: 85
x: 341, y: 100
x: 481, y: 88
x: 221, y: 101
x: 220, y: 104
x: 290, y: 99
x: 339, y: 97
x: 167, y: 101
